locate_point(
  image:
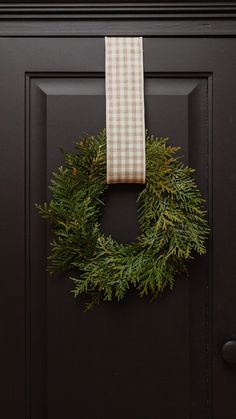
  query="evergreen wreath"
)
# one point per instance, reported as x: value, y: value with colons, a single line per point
x: 170, y: 214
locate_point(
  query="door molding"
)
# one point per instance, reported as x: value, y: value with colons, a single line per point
x: 121, y: 10
x: 210, y: 19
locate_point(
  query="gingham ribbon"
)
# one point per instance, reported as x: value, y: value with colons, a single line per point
x: 125, y: 126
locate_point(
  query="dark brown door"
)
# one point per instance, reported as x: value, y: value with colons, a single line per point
x: 132, y: 360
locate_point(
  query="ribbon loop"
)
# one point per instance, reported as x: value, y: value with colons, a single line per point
x: 125, y: 124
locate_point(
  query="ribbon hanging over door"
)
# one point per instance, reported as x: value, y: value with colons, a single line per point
x: 125, y: 124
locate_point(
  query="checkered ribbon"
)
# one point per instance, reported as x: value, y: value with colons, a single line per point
x: 125, y: 126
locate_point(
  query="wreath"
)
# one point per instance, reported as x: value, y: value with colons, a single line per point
x: 170, y: 215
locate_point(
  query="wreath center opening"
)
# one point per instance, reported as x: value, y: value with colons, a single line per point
x: 119, y: 215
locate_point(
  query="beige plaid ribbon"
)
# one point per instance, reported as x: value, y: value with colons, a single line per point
x: 125, y: 126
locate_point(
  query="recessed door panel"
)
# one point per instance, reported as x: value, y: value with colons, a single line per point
x: 136, y: 347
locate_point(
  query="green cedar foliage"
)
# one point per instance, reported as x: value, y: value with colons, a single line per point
x: 171, y: 219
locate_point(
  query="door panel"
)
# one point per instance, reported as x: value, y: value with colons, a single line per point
x: 137, y: 350
x: 133, y: 359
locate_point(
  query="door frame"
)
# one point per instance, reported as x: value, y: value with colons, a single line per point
x: 191, y: 19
